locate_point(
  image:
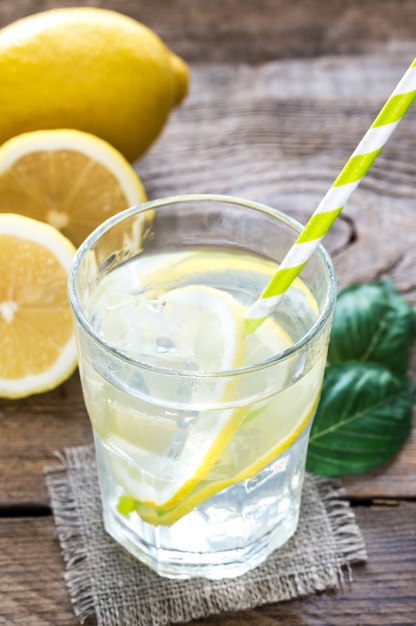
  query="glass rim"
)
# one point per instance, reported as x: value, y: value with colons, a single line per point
x: 109, y: 223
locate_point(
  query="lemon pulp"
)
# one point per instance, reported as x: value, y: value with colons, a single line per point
x: 174, y: 440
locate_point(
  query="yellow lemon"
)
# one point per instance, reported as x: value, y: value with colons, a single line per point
x: 67, y: 178
x: 90, y: 69
x: 37, y: 346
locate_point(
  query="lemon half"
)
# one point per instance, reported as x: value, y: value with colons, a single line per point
x: 37, y: 345
x: 66, y: 178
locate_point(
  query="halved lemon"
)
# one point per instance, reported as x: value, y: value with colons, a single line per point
x: 67, y: 178
x: 37, y: 346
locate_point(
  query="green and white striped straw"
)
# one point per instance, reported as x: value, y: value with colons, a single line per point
x: 334, y: 201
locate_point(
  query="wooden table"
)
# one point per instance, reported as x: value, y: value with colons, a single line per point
x: 281, y: 94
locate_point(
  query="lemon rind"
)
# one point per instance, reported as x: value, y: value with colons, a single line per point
x: 61, y: 370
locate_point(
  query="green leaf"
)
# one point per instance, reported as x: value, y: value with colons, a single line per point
x: 372, y: 322
x: 364, y: 416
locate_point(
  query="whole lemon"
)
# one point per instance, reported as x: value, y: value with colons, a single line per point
x: 89, y: 69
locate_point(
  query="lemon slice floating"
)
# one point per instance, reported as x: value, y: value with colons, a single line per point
x: 167, y: 467
x: 69, y: 179
x: 203, y: 324
x: 201, y: 265
x: 37, y: 346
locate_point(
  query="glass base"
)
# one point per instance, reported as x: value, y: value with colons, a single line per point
x: 223, y: 537
x: 215, y: 565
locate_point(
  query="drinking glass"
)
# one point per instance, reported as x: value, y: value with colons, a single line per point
x: 200, y: 453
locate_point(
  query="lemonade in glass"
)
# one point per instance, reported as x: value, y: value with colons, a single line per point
x: 200, y: 428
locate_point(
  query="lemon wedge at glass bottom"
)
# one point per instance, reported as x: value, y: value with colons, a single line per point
x: 204, y: 329
x: 37, y: 345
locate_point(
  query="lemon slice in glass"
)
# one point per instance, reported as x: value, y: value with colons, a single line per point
x: 201, y: 331
x: 240, y: 464
x: 268, y: 428
x: 267, y: 431
x: 200, y: 266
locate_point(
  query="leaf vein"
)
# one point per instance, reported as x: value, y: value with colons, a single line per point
x: 356, y: 416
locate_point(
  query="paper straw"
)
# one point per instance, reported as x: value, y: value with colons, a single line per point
x: 334, y: 201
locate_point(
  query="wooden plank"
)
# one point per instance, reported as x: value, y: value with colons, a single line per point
x: 32, y: 587
x: 253, y: 32
x: 33, y: 593
x: 32, y: 430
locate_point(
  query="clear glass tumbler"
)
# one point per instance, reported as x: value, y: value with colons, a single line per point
x: 200, y: 431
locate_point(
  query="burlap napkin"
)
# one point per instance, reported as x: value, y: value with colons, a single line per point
x: 103, y: 579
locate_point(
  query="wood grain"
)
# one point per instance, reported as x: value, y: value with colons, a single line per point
x: 31, y: 432
x: 33, y: 593
x: 254, y: 32
x: 32, y: 587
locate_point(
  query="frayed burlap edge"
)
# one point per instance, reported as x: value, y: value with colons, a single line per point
x: 68, y: 526
x: 348, y: 539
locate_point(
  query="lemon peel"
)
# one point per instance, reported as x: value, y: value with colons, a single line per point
x: 91, y: 69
